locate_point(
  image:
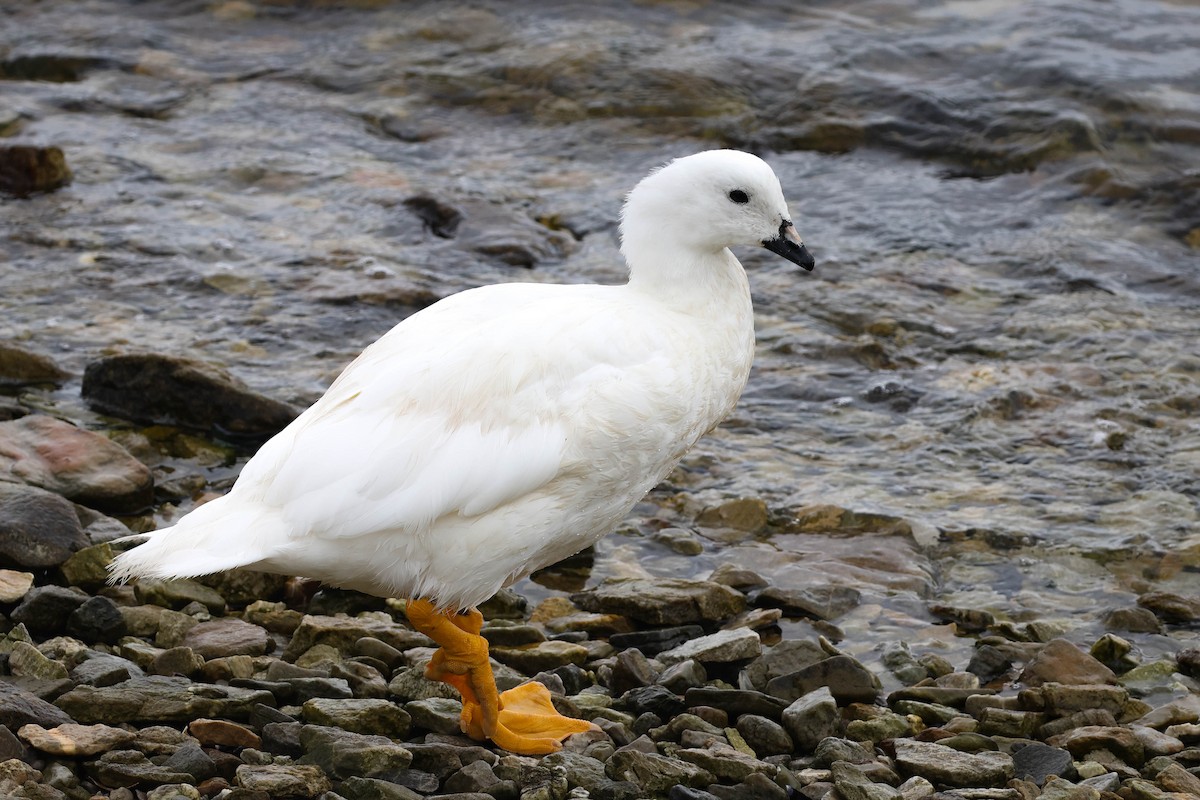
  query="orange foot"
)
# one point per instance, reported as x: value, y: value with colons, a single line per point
x: 522, y: 720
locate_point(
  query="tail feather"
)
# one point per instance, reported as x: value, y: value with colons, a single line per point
x: 215, y: 537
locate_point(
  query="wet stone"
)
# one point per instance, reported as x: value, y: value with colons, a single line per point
x: 652, y: 699
x: 26, y: 661
x: 80, y: 465
x: 160, y: 389
x: 1132, y: 620
x: 820, y: 602
x: 673, y: 601
x: 1060, y: 661
x: 30, y: 169
x: 1170, y: 607
x: 38, y: 529
x: 22, y: 367
x: 191, y: 760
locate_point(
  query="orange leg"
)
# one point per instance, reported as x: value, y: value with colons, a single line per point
x: 522, y: 720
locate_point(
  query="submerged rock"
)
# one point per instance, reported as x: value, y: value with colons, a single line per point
x: 673, y: 601
x: 28, y: 169
x: 21, y: 367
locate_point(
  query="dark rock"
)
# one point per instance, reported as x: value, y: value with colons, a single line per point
x: 80, y: 465
x: 414, y: 779
x: 38, y: 529
x: 355, y: 788
x: 1121, y: 742
x: 755, y: 787
x: 1173, y: 608
x: 19, y: 707
x: 97, y: 620
x: 102, y: 669
x: 437, y: 758
x: 27, y: 169
x: 749, y: 514
x: 45, y: 609
x: 820, y: 602
x: 654, y: 699
x: 847, y: 679
x: 191, y: 759
x: 653, y: 642
x: 11, y: 746
x: 968, y: 619
x: 790, y: 655
x: 131, y: 768
x: 672, y: 601
x: 687, y: 793
x: 631, y: 670
x: 442, y: 219
x: 282, y: 738
x: 736, y: 702
x: 330, y: 602
x: 21, y: 367
x: 159, y: 389
x: 654, y: 773
x: 989, y: 663
x: 342, y: 754
x: 1036, y: 761
x: 178, y: 593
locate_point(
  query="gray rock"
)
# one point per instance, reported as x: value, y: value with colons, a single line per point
x: 355, y: 788
x: 853, y: 784
x: 131, y: 768
x: 221, y: 638
x: 38, y: 529
x: 740, y: 644
x: 45, y: 609
x: 848, y: 681
x: 679, y: 678
x: 1036, y: 761
x: 159, y: 389
x: 581, y: 770
x: 654, y: 773
x: 282, y: 738
x: 631, y: 670
x: 812, y: 718
x: 943, y: 765
x: 543, y: 656
x: 342, y: 633
x: 366, y: 716
x: 726, y: 763
x: 160, y: 699
x: 765, y: 737
x: 653, y: 699
x: 1119, y: 741
x: 437, y: 714
x: 755, y: 787
x: 411, y: 684
x: 663, y: 602
x: 281, y: 781
x: 19, y: 707
x: 785, y: 658
x: 190, y: 759
x: 653, y: 642
x: 80, y: 465
x: 833, y: 749
x: 438, y: 758
x: 342, y: 754
x: 474, y: 777
x: 736, y: 702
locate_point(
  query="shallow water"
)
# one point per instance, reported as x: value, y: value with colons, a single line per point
x: 1000, y: 335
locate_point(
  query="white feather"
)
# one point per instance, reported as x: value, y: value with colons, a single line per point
x: 503, y: 428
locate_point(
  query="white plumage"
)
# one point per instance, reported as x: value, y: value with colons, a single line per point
x: 507, y: 427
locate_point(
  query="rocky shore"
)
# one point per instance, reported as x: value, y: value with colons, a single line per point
x: 249, y: 687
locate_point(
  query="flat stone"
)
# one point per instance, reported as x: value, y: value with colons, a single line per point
x: 1064, y: 699
x: 1122, y: 742
x: 74, y: 740
x: 38, y: 529
x: 539, y: 657
x: 812, y: 718
x: 673, y: 601
x: 342, y: 633
x: 222, y: 638
x: 342, y: 754
x: 654, y: 773
x: 852, y: 783
x: 80, y: 465
x: 102, y: 669
x: 847, y: 679
x: 283, y: 781
x: 1175, y: 778
x: 26, y: 661
x: 944, y: 765
x: 160, y: 699
x: 127, y: 768
x: 656, y: 641
x: 14, y: 585
x: 1060, y: 661
x: 219, y: 732
x: 166, y: 390
x: 721, y: 647
x: 726, y: 763
x: 366, y: 716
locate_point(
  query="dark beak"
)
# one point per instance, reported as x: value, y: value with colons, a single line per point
x: 789, y: 245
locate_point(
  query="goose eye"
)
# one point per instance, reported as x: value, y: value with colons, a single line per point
x: 739, y: 197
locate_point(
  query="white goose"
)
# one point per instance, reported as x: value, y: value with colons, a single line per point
x: 505, y: 428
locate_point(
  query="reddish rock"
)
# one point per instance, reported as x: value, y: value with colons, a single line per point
x: 218, y: 732
x: 81, y: 466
